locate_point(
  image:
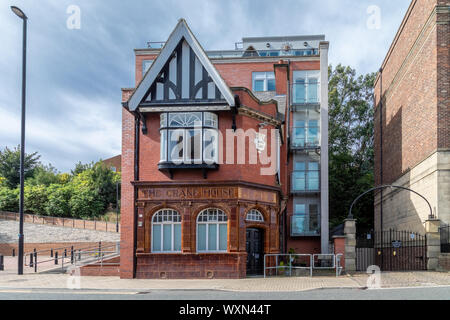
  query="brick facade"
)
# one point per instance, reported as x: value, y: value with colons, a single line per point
x: 235, y: 188
x: 414, y: 86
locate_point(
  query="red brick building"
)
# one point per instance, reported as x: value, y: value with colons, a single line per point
x: 224, y: 156
x: 412, y: 91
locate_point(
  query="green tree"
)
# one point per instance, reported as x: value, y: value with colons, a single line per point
x: 10, y: 165
x: 35, y: 199
x: 58, y: 200
x: 44, y: 175
x: 80, y: 167
x: 350, y: 144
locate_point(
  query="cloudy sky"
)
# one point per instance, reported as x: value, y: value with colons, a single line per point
x: 75, y: 75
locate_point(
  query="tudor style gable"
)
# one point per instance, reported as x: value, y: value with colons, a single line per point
x: 182, y: 78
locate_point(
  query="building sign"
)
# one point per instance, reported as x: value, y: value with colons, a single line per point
x: 396, y: 244
x: 194, y: 193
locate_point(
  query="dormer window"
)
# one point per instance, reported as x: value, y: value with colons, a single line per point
x: 189, y: 138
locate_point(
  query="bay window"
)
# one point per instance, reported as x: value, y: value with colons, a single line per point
x: 189, y: 137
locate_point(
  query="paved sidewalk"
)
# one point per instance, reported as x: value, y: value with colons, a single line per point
x: 280, y: 284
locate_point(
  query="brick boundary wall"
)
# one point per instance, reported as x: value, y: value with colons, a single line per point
x: 62, y: 222
x: 7, y: 248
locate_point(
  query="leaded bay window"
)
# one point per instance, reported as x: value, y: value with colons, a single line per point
x: 189, y: 137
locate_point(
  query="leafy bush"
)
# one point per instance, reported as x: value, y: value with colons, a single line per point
x: 85, y: 203
x: 35, y: 199
x: 58, y: 200
x: 9, y: 199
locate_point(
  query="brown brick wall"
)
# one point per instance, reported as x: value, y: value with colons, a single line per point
x: 115, y: 162
x: 415, y: 111
x: 179, y: 266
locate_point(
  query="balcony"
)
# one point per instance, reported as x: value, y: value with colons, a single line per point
x: 239, y: 53
x: 305, y: 225
x: 305, y: 93
x: 305, y: 182
x: 305, y: 137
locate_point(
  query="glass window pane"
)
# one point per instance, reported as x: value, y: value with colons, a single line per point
x: 299, y: 181
x: 201, y: 237
x: 193, y: 144
x: 313, y: 180
x: 298, y: 225
x: 177, y: 237
x: 299, y: 91
x: 312, y: 91
x: 163, y: 146
x: 300, y: 209
x: 271, y: 85
x: 185, y: 119
x: 299, y: 165
x: 259, y: 85
x: 223, y: 237
x: 313, y: 166
x: 212, y: 237
x: 156, y: 238
x: 210, y: 119
x: 210, y: 145
x: 167, y: 237
x: 176, y: 145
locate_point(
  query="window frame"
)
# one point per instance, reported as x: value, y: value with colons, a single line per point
x: 265, y: 77
x: 307, y: 203
x: 306, y: 76
x: 166, y: 128
x: 162, y: 223
x: 254, y: 212
x: 207, y: 223
x: 306, y: 172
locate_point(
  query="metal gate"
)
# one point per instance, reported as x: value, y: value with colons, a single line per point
x: 391, y: 250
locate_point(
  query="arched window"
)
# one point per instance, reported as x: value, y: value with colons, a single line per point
x: 254, y: 215
x: 166, y: 231
x: 212, y: 227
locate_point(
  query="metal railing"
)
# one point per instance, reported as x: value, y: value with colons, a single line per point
x: 83, y: 256
x: 335, y: 259
x: 445, y: 238
x: 290, y: 265
x: 96, y: 225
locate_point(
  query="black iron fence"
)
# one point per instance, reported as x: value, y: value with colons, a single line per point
x: 391, y: 250
x: 445, y: 238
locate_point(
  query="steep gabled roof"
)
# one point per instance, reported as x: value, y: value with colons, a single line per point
x: 180, y: 32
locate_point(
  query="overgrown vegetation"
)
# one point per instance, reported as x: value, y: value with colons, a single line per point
x: 351, y: 144
x: 87, y: 192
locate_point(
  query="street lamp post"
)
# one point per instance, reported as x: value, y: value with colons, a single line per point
x: 117, y: 207
x: 24, y: 18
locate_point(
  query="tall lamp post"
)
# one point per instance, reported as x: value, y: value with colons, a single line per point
x: 117, y: 206
x: 24, y: 18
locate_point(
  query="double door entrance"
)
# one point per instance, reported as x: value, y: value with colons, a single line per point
x: 255, y: 251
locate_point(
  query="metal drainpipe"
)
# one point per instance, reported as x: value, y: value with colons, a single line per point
x: 381, y: 161
x: 137, y: 125
x: 287, y: 157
